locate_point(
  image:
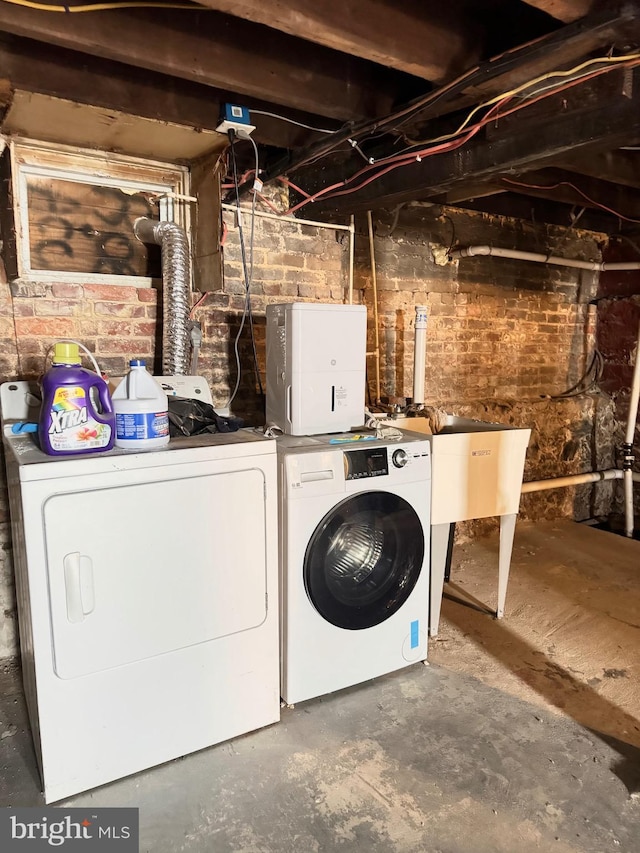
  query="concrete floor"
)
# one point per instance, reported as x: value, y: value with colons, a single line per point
x: 570, y: 639
x: 426, y: 760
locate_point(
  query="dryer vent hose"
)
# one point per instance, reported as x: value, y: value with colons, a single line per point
x: 176, y: 287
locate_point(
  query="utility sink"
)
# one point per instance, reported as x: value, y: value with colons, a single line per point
x: 477, y: 467
x: 476, y: 472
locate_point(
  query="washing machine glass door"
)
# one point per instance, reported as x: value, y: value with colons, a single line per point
x: 364, y: 559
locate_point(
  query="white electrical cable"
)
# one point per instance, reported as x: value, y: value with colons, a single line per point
x: 248, y: 274
x: 77, y: 343
x: 292, y: 121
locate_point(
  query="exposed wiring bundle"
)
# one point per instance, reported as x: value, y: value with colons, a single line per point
x: 498, y: 107
x: 247, y: 267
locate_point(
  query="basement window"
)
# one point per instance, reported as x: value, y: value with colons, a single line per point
x: 74, y: 212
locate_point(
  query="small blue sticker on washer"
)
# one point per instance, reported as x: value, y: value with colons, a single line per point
x: 415, y: 634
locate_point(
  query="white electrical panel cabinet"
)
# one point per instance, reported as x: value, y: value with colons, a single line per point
x: 147, y: 601
x: 316, y: 363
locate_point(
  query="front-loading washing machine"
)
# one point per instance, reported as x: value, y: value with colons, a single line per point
x: 354, y: 559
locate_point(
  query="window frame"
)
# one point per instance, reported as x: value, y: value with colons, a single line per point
x: 29, y: 157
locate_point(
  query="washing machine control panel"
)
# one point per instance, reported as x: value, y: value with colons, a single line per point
x: 400, y: 457
x: 369, y: 462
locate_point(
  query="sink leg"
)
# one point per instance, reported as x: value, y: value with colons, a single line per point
x: 507, y: 532
x: 439, y: 548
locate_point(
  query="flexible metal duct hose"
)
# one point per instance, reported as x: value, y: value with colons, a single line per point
x: 175, y: 290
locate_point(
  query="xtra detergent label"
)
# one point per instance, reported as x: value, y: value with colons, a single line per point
x: 71, y: 425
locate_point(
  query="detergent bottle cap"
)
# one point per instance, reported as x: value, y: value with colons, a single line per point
x: 66, y: 353
x: 137, y: 362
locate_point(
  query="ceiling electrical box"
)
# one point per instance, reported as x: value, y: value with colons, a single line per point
x: 236, y: 118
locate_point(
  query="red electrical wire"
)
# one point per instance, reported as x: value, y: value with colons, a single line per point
x: 401, y: 160
x: 410, y: 157
x: 198, y: 303
x: 288, y: 183
x: 573, y: 187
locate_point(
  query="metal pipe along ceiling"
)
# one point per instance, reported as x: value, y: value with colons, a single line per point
x: 176, y: 286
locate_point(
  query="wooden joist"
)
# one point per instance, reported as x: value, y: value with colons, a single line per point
x: 618, y: 24
x: 432, y: 41
x: 570, y: 188
x: 563, y: 10
x: 607, y: 119
x: 67, y: 74
x: 216, y: 50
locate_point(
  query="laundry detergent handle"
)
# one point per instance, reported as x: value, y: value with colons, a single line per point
x: 77, y: 413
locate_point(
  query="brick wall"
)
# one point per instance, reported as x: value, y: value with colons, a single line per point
x: 504, y: 338
x: 500, y: 334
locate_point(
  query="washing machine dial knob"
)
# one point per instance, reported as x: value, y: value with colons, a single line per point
x: 400, y: 458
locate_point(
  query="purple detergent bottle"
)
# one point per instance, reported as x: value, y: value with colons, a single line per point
x: 77, y: 414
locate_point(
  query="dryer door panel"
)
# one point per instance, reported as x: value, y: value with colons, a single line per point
x: 142, y: 570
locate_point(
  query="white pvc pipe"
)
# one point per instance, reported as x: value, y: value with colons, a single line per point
x: 572, y: 480
x: 292, y: 219
x: 419, y: 355
x: 537, y: 257
x: 628, y: 439
x: 635, y: 396
x: 352, y: 241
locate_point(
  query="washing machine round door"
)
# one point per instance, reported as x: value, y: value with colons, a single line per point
x: 364, y: 559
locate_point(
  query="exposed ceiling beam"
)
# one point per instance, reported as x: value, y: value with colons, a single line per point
x: 216, y: 50
x: 615, y: 25
x: 538, y: 210
x: 563, y: 10
x: 469, y: 191
x: 569, y: 188
x: 46, y: 70
x: 618, y: 24
x: 617, y: 167
x: 432, y: 43
x: 607, y: 119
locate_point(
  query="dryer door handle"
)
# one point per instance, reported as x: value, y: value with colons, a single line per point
x: 78, y: 582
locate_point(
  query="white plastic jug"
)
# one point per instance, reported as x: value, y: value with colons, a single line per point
x: 140, y: 404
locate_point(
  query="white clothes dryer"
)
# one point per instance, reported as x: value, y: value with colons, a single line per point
x: 147, y: 598
x: 354, y: 559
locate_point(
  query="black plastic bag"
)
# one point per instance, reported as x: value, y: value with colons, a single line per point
x: 195, y: 417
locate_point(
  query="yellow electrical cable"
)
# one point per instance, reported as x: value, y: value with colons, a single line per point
x: 551, y: 74
x: 104, y: 7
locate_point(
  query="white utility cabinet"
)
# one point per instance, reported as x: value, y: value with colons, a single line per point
x: 147, y: 599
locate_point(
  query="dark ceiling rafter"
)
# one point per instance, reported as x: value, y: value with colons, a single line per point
x: 564, y: 10
x: 609, y: 119
x: 220, y: 51
x: 618, y: 24
x: 578, y: 190
x: 617, y: 166
x: 61, y: 73
x: 348, y: 65
x: 361, y: 28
